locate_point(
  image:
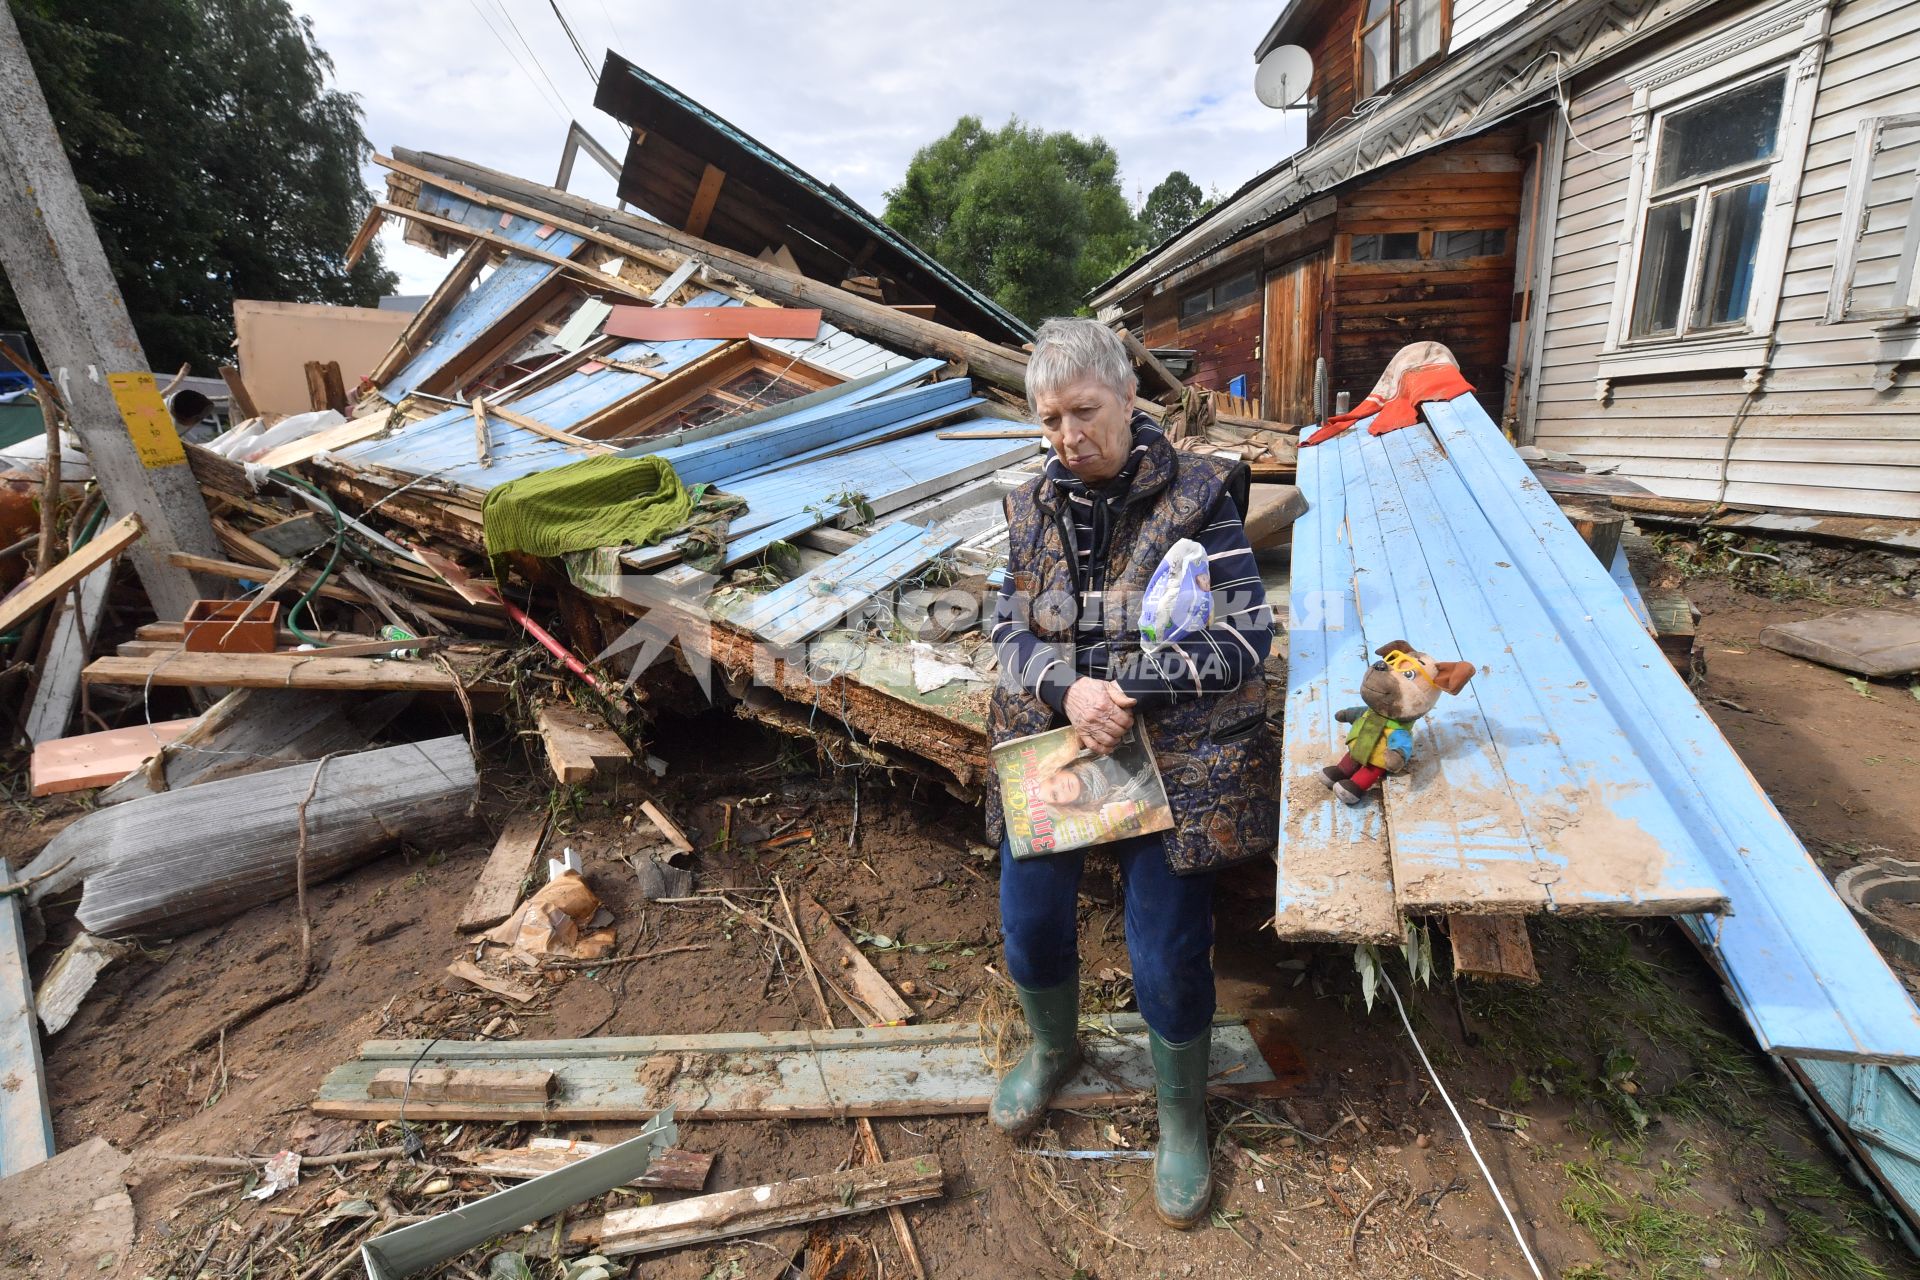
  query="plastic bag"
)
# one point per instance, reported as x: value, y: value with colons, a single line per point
x: 1179, y: 599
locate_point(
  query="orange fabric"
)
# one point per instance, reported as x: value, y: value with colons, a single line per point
x: 1434, y: 382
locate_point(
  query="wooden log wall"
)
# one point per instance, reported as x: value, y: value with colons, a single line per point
x: 1467, y: 303
x: 1225, y: 343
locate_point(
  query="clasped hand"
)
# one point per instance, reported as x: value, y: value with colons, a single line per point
x: 1101, y: 711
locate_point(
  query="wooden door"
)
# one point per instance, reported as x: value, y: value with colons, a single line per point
x: 1296, y: 296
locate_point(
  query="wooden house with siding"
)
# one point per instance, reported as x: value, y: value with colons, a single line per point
x: 1671, y: 236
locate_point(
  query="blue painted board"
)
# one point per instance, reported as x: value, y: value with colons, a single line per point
x: 822, y: 597
x: 1585, y: 827
x: 708, y: 461
x: 1333, y: 882
x: 1811, y: 982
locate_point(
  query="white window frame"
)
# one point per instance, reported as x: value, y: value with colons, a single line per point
x: 1791, y: 38
x: 1853, y: 219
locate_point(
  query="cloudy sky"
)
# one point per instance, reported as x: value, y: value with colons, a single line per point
x: 847, y: 89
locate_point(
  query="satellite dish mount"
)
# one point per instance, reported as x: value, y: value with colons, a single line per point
x: 1284, y: 78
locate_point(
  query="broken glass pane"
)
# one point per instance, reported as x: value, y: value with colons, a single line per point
x: 1663, y: 268
x: 1737, y: 128
x: 1733, y: 239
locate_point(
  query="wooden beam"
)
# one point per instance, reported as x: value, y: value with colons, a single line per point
x: 76, y: 625
x: 508, y: 868
x: 666, y: 826
x: 311, y: 670
x: 369, y: 228
x: 239, y: 400
x: 600, y: 279
x: 551, y: 433
x: 578, y: 743
x: 55, y: 582
x: 845, y: 959
x: 746, y: 1210
x: 439, y: 1084
x: 1156, y: 371
x: 467, y: 971
x: 325, y: 388
x: 674, y: 1169
x: 1492, y: 947
x: 711, y: 180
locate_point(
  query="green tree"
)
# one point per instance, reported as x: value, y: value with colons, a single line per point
x: 1035, y: 219
x: 1171, y: 206
x: 216, y: 160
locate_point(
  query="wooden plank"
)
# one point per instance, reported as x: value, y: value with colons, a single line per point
x: 724, y: 1214
x: 461, y: 1084
x: 674, y: 1169
x: 544, y: 431
x: 846, y: 961
x: 934, y: 1069
x: 468, y: 971
x: 311, y: 670
x: 671, y: 324
x: 1492, y: 947
x: 352, y: 431
x: 369, y: 228
x: 96, y: 759
x: 26, y: 1119
x: 666, y: 826
x: 239, y: 399
x: 835, y: 589
x: 1808, y: 978
x: 1334, y: 880
x: 325, y: 389
x: 55, y: 582
x: 72, y: 976
x: 76, y: 623
x: 512, y: 861
x: 579, y: 744
x: 711, y: 180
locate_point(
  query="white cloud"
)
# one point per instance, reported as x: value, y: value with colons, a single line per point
x: 848, y: 89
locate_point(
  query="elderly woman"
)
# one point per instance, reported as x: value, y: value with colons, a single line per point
x: 1084, y: 538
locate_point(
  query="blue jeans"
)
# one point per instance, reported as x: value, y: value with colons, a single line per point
x: 1169, y: 929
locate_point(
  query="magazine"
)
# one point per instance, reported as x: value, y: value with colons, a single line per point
x: 1057, y: 795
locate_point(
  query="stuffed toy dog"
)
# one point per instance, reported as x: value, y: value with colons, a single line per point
x: 1399, y: 688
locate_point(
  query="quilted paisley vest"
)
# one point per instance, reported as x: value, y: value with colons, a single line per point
x: 1218, y: 754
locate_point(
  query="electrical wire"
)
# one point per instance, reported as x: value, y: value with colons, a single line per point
x: 559, y: 111
x: 1434, y: 1076
x: 501, y: 7
x: 574, y: 40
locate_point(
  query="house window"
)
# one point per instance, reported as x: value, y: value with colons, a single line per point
x: 1706, y: 206
x: 1394, y: 246
x: 1398, y: 37
x: 1444, y: 246
x: 1218, y: 297
x: 1449, y: 245
x: 1874, y: 276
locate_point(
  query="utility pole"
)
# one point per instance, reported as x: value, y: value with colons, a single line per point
x: 59, y: 272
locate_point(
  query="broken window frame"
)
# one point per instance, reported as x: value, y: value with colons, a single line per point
x: 1856, y: 222
x: 645, y: 414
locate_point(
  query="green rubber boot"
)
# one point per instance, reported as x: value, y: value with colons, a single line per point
x: 1183, y: 1162
x: 1053, y: 1016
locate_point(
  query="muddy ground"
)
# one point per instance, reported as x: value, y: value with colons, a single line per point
x: 1620, y: 1105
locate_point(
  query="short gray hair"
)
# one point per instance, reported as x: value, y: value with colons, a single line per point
x: 1066, y: 349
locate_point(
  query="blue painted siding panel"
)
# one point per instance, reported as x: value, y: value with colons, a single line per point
x: 508, y: 285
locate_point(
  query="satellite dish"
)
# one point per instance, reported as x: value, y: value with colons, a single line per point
x: 1284, y: 76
